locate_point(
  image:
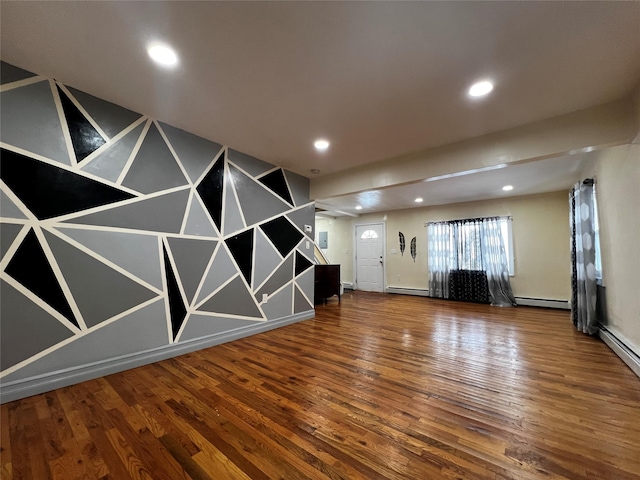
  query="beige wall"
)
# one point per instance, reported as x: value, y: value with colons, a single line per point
x: 540, y: 237
x: 617, y: 176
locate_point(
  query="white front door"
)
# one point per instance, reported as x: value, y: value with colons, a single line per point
x: 369, y: 261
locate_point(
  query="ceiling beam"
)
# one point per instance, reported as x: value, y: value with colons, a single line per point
x: 602, y: 126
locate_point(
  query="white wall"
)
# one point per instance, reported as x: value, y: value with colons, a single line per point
x: 617, y: 175
x: 540, y: 231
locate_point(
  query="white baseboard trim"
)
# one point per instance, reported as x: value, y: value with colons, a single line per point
x: 626, y: 354
x: 543, y: 302
x: 525, y: 301
x: 26, y: 387
x: 408, y: 291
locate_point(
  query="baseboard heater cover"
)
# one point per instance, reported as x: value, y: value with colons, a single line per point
x: 543, y: 302
x: 347, y: 286
x: 524, y: 301
x: 35, y: 385
x: 408, y: 291
x: 626, y: 354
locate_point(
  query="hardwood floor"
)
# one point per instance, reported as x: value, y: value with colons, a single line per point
x: 380, y: 386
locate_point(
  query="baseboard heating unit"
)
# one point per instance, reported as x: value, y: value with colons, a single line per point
x: 625, y: 353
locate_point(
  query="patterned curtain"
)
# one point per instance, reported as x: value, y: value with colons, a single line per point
x: 583, y: 258
x: 440, y: 247
x: 494, y: 261
x: 469, y: 246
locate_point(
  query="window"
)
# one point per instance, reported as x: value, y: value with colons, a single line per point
x: 369, y: 234
x: 466, y: 251
x: 596, y: 229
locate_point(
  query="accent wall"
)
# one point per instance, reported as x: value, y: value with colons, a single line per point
x: 125, y: 240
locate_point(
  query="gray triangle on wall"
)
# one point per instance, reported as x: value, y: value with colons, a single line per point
x: 30, y: 121
x: 191, y: 257
x: 136, y: 253
x: 280, y: 276
x: 306, y: 282
x: 302, y: 217
x: 111, y: 118
x: 8, y: 209
x: 300, y: 304
x: 249, y: 164
x: 10, y: 73
x: 154, y: 168
x: 198, y: 220
x: 257, y: 202
x: 141, y: 330
x: 8, y: 233
x: 199, y: 326
x: 26, y: 329
x: 299, y: 187
x: 110, y: 163
x: 222, y: 269
x: 233, y: 299
x: 100, y: 292
x: 163, y: 213
x: 232, y: 216
x: 280, y: 304
x: 195, y: 153
x: 267, y: 259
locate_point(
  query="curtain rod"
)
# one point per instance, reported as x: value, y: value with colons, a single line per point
x: 509, y: 217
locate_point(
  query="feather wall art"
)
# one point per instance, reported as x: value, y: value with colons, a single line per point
x: 402, y: 243
x: 414, y: 250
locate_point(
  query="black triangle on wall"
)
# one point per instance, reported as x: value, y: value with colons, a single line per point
x: 276, y: 182
x: 241, y: 247
x: 50, y: 191
x: 30, y: 267
x: 302, y: 263
x: 283, y: 234
x: 177, y: 310
x: 84, y: 137
x: 211, y: 189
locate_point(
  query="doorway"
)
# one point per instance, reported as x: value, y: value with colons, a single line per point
x: 369, y: 257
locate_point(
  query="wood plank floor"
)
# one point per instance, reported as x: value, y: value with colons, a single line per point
x: 380, y: 386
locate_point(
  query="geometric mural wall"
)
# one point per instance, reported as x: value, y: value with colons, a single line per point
x: 120, y: 233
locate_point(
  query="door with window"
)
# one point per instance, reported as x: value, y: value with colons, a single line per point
x: 369, y: 257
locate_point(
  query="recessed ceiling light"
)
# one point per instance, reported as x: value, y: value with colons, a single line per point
x: 418, y: 200
x: 358, y: 207
x: 321, y: 145
x: 506, y: 188
x: 480, y: 89
x: 314, y: 171
x: 163, y: 55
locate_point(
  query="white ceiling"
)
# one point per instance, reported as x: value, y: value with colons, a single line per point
x: 377, y: 79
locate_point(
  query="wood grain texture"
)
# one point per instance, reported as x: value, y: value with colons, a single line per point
x: 377, y: 387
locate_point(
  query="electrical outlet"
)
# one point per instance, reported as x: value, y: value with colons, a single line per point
x: 307, y: 244
x: 265, y: 297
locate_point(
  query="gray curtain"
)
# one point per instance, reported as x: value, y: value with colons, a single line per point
x: 440, y: 248
x: 494, y: 262
x: 583, y: 258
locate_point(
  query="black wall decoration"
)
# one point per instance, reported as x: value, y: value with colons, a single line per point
x: 84, y: 137
x: 402, y: 243
x: 30, y: 267
x: 414, y: 250
x: 50, y: 191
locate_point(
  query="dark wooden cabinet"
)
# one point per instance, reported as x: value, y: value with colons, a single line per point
x: 327, y: 282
